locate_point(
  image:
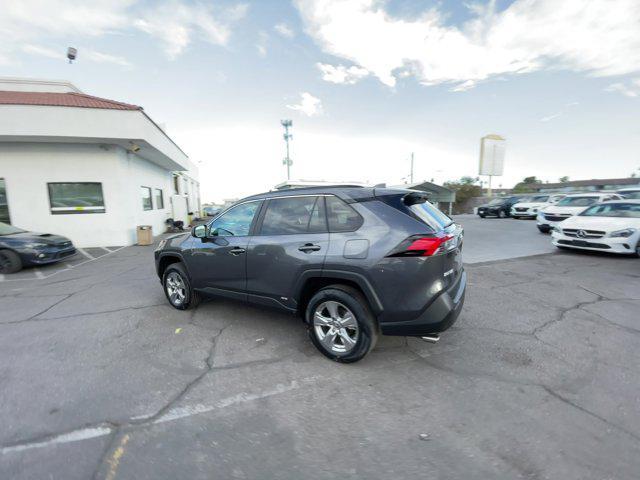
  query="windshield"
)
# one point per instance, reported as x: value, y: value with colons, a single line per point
x: 539, y: 198
x: 628, y: 210
x: 631, y: 195
x: 577, y: 201
x: 6, y: 229
x: 496, y: 201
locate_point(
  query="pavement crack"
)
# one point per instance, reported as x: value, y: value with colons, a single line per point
x: 565, y: 400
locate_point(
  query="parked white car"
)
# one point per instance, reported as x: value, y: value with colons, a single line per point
x: 532, y: 205
x: 606, y: 227
x: 569, y: 206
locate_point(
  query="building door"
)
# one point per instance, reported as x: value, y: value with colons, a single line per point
x: 4, y: 205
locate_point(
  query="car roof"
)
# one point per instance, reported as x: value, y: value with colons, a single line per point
x: 633, y: 201
x: 590, y: 194
x: 349, y: 193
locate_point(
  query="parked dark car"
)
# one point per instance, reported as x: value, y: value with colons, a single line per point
x: 499, y: 207
x: 211, y: 211
x: 19, y: 248
x: 353, y: 262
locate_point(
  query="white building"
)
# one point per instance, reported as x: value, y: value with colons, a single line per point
x: 87, y: 168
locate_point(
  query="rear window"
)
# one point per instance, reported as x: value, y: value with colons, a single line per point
x: 423, y: 211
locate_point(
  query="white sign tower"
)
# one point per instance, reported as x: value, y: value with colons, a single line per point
x: 492, y: 149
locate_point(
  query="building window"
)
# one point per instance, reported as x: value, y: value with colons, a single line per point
x: 85, y: 197
x: 145, y: 192
x: 159, y: 199
x: 176, y: 188
x: 4, y: 206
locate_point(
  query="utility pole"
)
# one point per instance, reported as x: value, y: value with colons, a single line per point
x: 287, y: 136
x: 411, y: 176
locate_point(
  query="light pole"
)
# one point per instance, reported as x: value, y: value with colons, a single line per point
x: 287, y: 136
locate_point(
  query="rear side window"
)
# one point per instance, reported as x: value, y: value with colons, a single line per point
x: 341, y: 217
x: 291, y: 215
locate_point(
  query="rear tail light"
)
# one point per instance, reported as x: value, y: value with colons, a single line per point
x: 419, y: 246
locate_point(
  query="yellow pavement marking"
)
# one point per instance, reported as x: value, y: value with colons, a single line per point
x: 114, y: 460
x: 178, y: 330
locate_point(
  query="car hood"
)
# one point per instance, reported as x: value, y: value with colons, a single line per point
x: 607, y: 224
x: 29, y: 237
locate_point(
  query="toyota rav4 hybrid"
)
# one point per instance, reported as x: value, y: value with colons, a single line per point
x: 353, y: 262
x: 569, y: 206
x: 607, y: 227
x: 529, y: 207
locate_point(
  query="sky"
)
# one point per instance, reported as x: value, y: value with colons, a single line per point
x: 365, y: 82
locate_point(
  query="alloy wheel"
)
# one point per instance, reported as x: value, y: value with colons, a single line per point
x: 335, y: 326
x: 5, y: 263
x: 176, y: 289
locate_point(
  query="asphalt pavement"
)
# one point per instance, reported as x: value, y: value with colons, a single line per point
x: 101, y: 378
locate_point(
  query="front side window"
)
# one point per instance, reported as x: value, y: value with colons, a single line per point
x: 540, y: 198
x: 235, y: 222
x: 159, y: 199
x: 285, y: 216
x: 625, y: 210
x: 6, y: 229
x: 145, y: 193
x: 629, y: 195
x: 577, y: 201
x: 67, y: 198
x: 341, y: 217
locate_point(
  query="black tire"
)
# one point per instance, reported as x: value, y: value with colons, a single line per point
x: 637, y: 254
x: 482, y: 216
x: 543, y: 230
x: 353, y: 301
x: 188, y: 297
x: 10, y: 262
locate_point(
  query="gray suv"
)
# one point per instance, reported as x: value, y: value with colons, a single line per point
x: 353, y: 262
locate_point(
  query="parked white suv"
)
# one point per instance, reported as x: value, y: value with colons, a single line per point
x: 607, y: 227
x: 569, y: 206
x: 532, y: 205
x: 630, y: 193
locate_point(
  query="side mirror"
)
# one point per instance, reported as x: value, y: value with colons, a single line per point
x: 199, y: 231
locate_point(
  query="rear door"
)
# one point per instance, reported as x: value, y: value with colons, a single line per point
x: 291, y: 238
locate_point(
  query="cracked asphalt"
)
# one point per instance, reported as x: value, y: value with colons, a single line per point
x: 539, y: 379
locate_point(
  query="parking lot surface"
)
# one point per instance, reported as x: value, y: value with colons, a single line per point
x: 538, y: 379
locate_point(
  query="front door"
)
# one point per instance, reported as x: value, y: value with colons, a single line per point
x: 218, y: 263
x: 4, y: 204
x: 290, y: 238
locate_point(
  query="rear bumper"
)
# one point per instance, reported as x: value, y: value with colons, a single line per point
x: 436, y: 318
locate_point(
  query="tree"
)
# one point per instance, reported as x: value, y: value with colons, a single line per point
x: 564, y: 179
x: 525, y: 185
x: 465, y: 189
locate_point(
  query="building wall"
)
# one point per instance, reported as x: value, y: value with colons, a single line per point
x: 28, y: 167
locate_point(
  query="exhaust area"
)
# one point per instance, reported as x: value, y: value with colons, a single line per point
x: 431, y: 338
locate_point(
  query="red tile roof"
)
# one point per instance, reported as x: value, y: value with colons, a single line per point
x: 70, y: 99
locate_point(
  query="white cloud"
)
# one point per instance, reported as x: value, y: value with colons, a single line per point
x: 548, y: 118
x: 99, y: 57
x: 284, y: 30
x: 261, y: 46
x: 631, y: 89
x: 26, y: 23
x: 309, y: 105
x: 527, y: 36
x: 44, y: 51
x: 342, y: 74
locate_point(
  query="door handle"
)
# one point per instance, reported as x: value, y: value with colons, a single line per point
x: 237, y: 251
x: 309, y: 247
